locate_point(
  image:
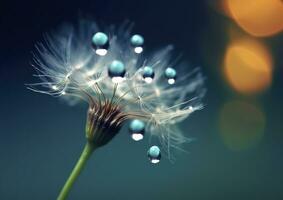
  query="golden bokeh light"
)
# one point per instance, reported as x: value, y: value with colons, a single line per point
x: 248, y: 66
x: 241, y: 125
x: 257, y: 17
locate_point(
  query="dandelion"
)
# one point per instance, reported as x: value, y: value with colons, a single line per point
x: 109, y: 70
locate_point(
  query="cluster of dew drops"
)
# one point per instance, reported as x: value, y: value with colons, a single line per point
x: 117, y: 70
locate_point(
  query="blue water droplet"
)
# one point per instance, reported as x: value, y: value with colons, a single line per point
x: 100, y: 43
x: 171, y: 75
x: 137, y: 128
x: 148, y: 74
x: 99, y: 39
x: 154, y: 154
x: 116, y: 69
x: 137, y: 40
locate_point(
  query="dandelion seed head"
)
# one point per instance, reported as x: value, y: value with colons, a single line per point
x: 107, y: 70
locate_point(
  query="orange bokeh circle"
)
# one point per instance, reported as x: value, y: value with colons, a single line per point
x: 248, y: 66
x: 257, y: 17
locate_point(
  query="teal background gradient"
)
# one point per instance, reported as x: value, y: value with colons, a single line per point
x: 41, y: 137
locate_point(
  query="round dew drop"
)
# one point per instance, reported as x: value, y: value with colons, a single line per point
x: 154, y: 154
x: 137, y: 128
x: 116, y: 71
x: 148, y: 74
x: 100, y: 43
x: 137, y: 42
x: 171, y: 75
x: 99, y: 39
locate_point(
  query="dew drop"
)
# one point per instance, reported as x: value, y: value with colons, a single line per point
x: 136, y: 129
x: 148, y: 74
x: 171, y: 75
x: 154, y: 154
x: 116, y: 71
x: 137, y: 42
x: 100, y: 43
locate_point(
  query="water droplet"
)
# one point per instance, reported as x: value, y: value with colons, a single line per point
x: 154, y: 154
x: 137, y: 42
x: 148, y: 74
x: 116, y: 70
x: 171, y: 75
x: 100, y: 43
x: 137, y: 128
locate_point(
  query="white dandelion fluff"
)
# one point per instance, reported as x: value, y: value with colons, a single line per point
x: 120, y: 80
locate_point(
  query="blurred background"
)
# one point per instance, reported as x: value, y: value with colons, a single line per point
x: 238, y: 149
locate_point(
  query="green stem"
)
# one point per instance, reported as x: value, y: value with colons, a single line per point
x: 88, y: 149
